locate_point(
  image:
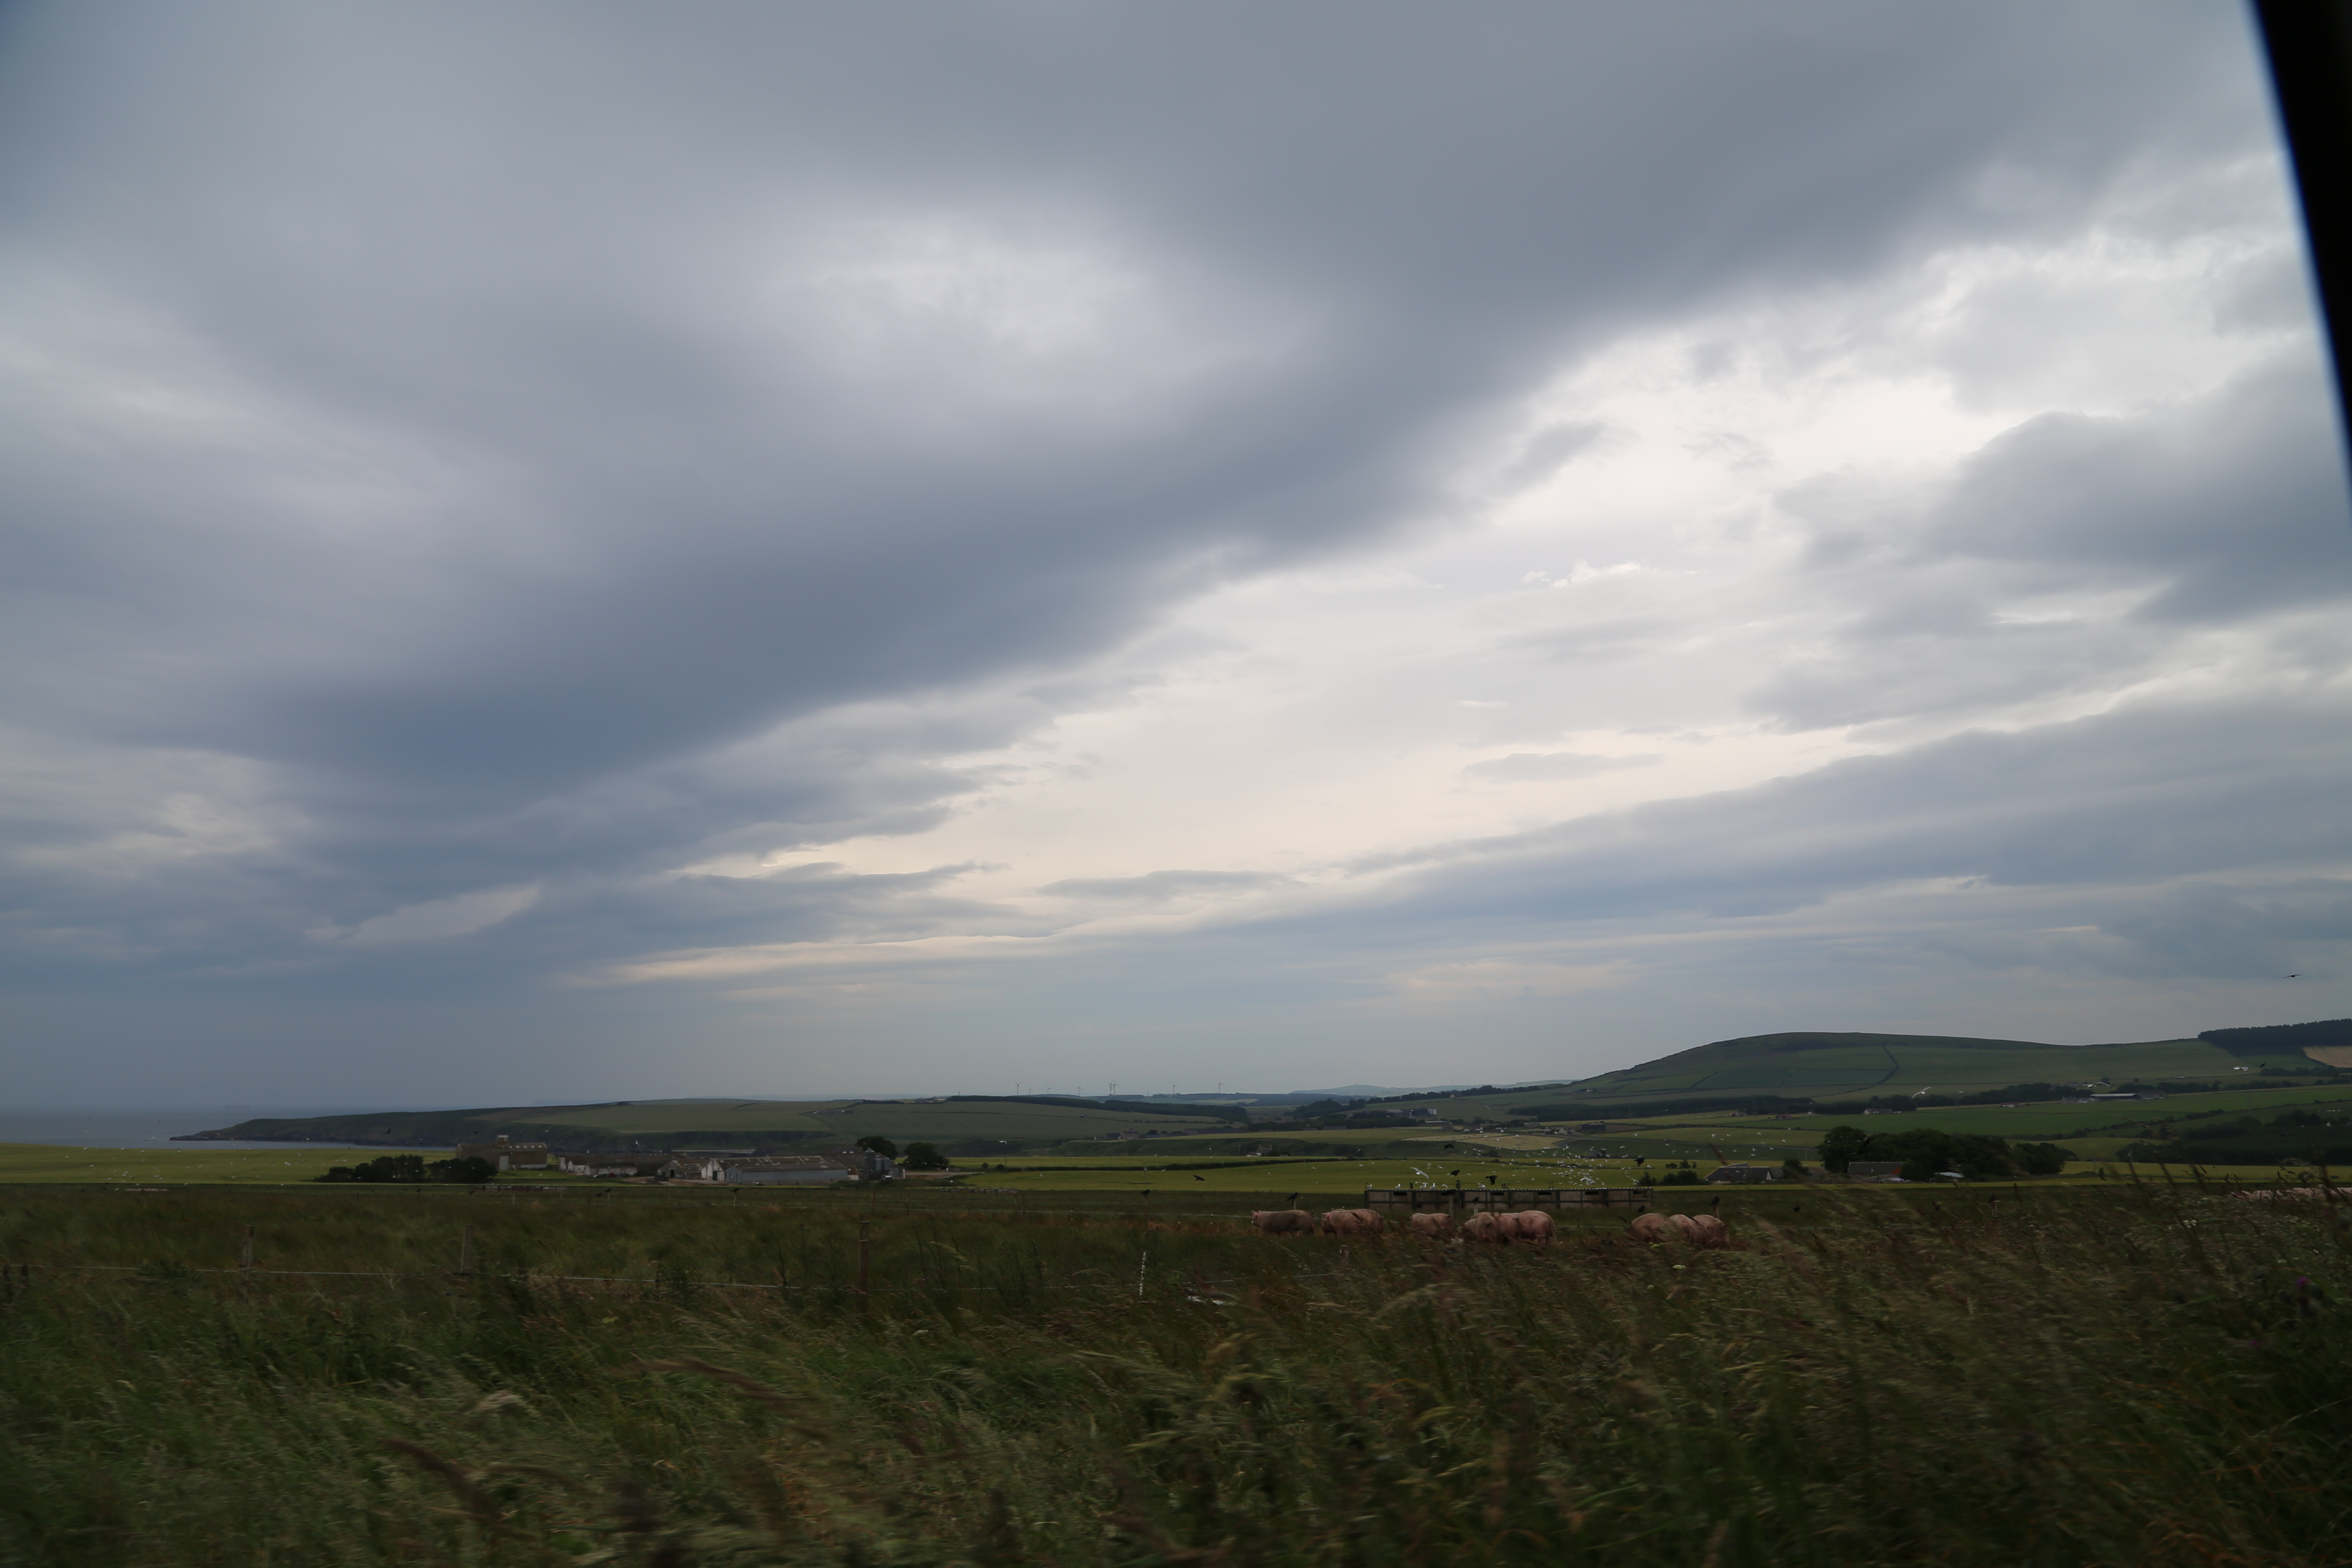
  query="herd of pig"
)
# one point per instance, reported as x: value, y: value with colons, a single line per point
x: 1530, y: 1226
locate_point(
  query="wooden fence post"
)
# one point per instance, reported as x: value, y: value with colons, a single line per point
x: 864, y: 1239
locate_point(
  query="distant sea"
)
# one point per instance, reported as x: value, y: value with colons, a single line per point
x: 154, y: 1128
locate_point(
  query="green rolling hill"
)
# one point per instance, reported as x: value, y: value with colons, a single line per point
x: 1824, y: 1066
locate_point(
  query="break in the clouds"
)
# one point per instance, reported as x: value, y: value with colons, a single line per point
x: 557, y: 550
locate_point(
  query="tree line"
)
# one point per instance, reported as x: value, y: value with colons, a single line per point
x: 1926, y: 1153
x: 412, y: 1169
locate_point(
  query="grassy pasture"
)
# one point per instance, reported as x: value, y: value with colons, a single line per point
x: 196, y: 1162
x: 1919, y: 1066
x: 2133, y: 1375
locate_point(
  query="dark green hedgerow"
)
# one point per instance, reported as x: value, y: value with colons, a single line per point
x: 2149, y: 1378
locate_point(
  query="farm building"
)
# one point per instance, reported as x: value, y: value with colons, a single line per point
x: 778, y: 1170
x: 1874, y: 1171
x: 866, y: 1164
x: 619, y: 1165
x: 506, y: 1156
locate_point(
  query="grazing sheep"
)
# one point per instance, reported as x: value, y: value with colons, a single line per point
x: 1698, y: 1230
x: 1283, y: 1222
x: 1350, y: 1222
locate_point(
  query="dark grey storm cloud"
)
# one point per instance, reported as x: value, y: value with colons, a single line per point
x: 501, y: 454
x: 2180, y: 828
x: 2206, y: 514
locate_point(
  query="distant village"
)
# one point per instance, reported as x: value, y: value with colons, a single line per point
x: 730, y: 1167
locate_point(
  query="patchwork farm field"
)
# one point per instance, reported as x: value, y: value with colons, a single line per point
x: 649, y: 1377
x: 1508, y: 1161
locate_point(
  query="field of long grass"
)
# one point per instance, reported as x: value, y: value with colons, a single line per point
x: 2142, y: 1375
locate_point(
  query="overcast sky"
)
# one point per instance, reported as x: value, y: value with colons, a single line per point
x: 566, y: 550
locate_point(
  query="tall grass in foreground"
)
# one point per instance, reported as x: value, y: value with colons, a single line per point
x: 2147, y: 1378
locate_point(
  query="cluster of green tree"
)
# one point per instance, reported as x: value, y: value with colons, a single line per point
x: 2284, y: 1040
x: 1444, y: 1094
x: 1685, y: 1105
x: 412, y: 1169
x: 919, y: 1156
x: 2321, y: 1137
x: 1925, y: 1152
x: 2023, y: 1093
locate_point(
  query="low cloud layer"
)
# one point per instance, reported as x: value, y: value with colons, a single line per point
x: 786, y: 550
